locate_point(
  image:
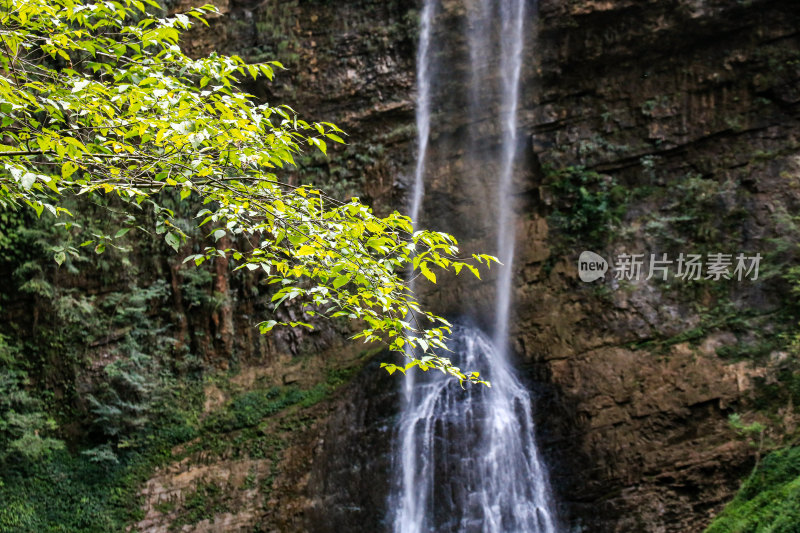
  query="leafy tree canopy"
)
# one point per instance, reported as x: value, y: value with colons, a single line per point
x: 98, y: 98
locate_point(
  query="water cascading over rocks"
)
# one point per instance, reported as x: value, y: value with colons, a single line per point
x: 466, y: 460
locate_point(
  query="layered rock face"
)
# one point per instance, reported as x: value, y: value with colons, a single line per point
x: 682, y: 115
x: 691, y: 107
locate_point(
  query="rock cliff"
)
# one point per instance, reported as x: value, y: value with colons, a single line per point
x: 680, y: 118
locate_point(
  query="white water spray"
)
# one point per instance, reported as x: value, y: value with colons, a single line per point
x: 474, y: 465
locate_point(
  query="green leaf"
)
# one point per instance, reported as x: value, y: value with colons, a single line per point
x: 423, y: 268
x: 266, y: 327
x: 173, y: 240
x: 68, y: 169
x: 341, y: 281
x: 305, y: 251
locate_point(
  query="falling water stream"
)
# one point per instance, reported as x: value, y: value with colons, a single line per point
x: 423, y: 111
x: 466, y: 459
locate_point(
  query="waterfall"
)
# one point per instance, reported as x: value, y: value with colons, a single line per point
x: 512, y: 14
x: 423, y: 111
x: 423, y: 120
x: 475, y: 465
x: 466, y: 459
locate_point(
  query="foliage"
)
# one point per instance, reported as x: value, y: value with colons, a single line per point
x: 782, y: 262
x: 753, y: 432
x: 206, y: 501
x: 97, y: 98
x: 116, y: 348
x: 195, y: 289
x: 699, y: 212
x: 23, y: 422
x: 768, y: 501
x: 123, y: 406
x: 62, y: 494
x: 76, y: 493
x: 97, y: 358
x: 248, y: 409
x: 586, y: 204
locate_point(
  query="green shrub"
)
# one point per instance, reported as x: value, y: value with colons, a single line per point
x: 586, y: 204
x: 768, y: 501
x: 23, y: 422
